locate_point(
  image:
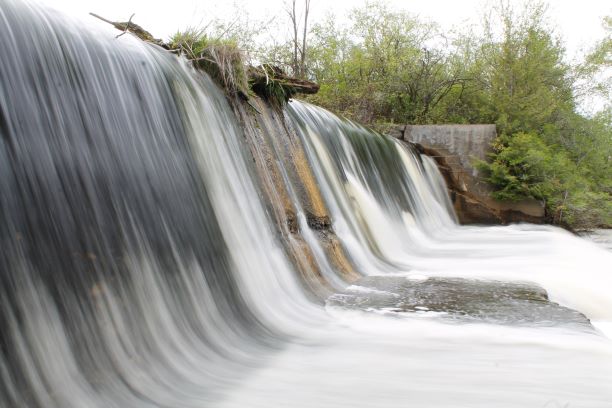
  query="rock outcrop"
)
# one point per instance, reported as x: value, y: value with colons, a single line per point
x: 457, y: 300
x: 291, y: 193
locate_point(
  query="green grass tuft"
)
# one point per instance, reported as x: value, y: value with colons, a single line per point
x: 222, y: 59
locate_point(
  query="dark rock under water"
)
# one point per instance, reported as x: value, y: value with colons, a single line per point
x: 460, y: 300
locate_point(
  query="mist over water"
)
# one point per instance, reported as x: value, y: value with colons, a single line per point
x: 140, y: 265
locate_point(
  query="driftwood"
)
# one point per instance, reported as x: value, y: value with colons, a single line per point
x: 133, y: 28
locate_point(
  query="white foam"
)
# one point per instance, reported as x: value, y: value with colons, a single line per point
x: 363, y: 289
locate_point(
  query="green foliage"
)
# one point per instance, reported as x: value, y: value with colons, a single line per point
x: 547, y: 151
x: 387, y: 67
x: 220, y: 58
x: 524, y: 166
x: 602, y: 53
x: 379, y: 67
x: 594, y: 74
x: 192, y: 42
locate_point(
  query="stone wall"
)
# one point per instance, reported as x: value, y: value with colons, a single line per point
x: 455, y: 148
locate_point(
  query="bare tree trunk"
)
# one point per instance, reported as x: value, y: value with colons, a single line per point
x: 293, y: 17
x: 298, y: 63
x: 302, y: 73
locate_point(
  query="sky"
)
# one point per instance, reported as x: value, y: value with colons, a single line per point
x: 578, y: 22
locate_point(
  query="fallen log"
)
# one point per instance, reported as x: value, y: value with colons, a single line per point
x: 272, y: 84
x: 266, y: 74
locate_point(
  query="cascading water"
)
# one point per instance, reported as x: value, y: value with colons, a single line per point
x: 140, y: 265
x: 121, y: 178
x: 393, y: 220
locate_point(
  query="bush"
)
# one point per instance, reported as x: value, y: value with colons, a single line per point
x: 524, y: 166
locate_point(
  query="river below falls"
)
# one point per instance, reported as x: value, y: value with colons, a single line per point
x: 375, y: 363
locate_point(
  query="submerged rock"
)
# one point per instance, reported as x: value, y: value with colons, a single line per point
x: 460, y: 301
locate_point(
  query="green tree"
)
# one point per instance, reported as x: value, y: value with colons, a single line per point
x: 385, y: 66
x: 594, y: 75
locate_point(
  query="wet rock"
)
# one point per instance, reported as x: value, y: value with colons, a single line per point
x: 458, y: 300
x: 292, y: 222
x: 318, y: 222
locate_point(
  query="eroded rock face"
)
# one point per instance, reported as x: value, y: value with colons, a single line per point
x: 457, y: 300
x: 289, y: 188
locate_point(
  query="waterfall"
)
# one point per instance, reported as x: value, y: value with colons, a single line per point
x: 161, y: 247
x: 122, y: 175
x: 390, y: 212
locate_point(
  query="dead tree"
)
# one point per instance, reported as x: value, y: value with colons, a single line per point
x: 298, y: 64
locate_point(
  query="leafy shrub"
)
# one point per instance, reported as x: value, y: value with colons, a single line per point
x: 524, y: 166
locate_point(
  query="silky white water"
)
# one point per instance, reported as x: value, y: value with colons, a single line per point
x: 139, y: 265
x: 423, y: 238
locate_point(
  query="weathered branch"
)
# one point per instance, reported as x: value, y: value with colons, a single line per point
x: 127, y: 26
x: 133, y: 28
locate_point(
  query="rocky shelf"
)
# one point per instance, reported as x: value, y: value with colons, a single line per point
x: 458, y: 300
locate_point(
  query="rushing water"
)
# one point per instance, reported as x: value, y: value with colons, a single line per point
x: 601, y: 237
x: 139, y: 266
